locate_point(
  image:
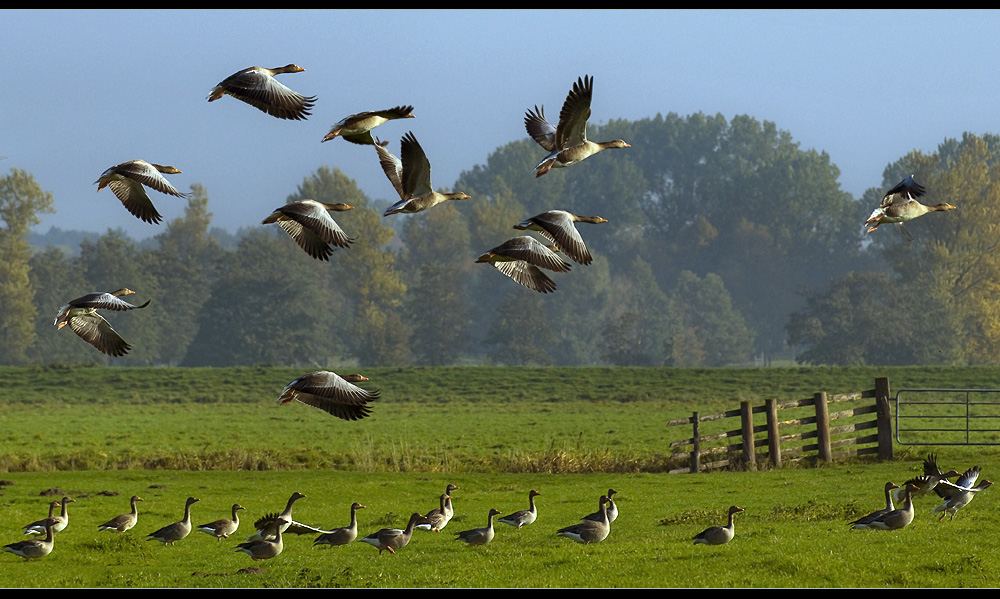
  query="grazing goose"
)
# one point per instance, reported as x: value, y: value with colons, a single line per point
x: 59, y: 522
x: 864, y: 521
x: 558, y: 227
x: 357, y: 127
x: 82, y: 317
x: 222, y: 528
x: 264, y: 522
x: 34, y: 548
x: 898, y: 518
x: 410, y: 175
x: 332, y: 393
x: 309, y: 223
x: 127, y: 181
x: 125, y: 521
x: 612, y: 509
x: 523, y: 517
x: 900, y: 205
x: 265, y: 548
x: 958, y: 494
x: 926, y: 483
x: 345, y: 534
x: 171, y: 533
x: 392, y: 539
x: 520, y: 258
x: 589, y: 531
x: 567, y: 142
x: 437, y: 519
x: 257, y: 87
x: 718, y: 535
x: 479, y: 536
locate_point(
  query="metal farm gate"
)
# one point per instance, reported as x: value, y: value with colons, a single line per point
x: 948, y: 416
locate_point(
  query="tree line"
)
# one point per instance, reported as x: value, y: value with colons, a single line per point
x: 725, y: 240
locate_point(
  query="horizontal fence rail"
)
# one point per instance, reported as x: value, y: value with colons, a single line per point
x: 948, y: 416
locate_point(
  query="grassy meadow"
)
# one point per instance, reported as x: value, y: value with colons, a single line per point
x: 100, y: 435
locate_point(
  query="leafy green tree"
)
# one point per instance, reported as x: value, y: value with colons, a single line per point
x: 635, y: 318
x: 705, y: 329
x: 56, y: 280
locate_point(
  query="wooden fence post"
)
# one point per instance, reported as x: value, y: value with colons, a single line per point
x: 773, y: 440
x: 823, y: 428
x: 749, y: 449
x: 883, y: 417
x: 695, y: 444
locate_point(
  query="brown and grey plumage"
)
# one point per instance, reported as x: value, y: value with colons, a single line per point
x: 309, y: 223
x: 34, y: 548
x: 863, y: 522
x: 523, y: 517
x: 520, y: 258
x: 82, y: 317
x: 223, y: 527
x: 445, y: 510
x: 356, y: 128
x: 38, y: 526
x: 558, y: 226
x: 898, y: 518
x: 125, y: 521
x: 171, y: 533
x: 611, y: 509
x: 392, y: 539
x: 344, y: 534
x: 257, y: 87
x: 410, y: 175
x: 265, y: 522
x: 332, y: 393
x: 958, y: 494
x: 567, y: 142
x: 718, y: 535
x: 900, y: 205
x: 59, y: 521
x: 589, y: 531
x: 479, y: 536
x: 267, y: 547
x: 128, y: 181
x: 929, y: 481
x: 436, y: 519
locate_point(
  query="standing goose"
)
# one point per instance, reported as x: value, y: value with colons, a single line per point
x: 309, y: 223
x: 926, y: 483
x: 59, y: 522
x: 567, y: 142
x: 345, y: 534
x: 612, y: 509
x: 125, y: 521
x: 171, y: 533
x: 332, y: 393
x: 357, y: 127
x: 717, y: 535
x: 958, y: 494
x: 82, y: 317
x: 264, y: 522
x: 558, y: 227
x: 38, y: 526
x: 520, y: 258
x: 479, y: 536
x: 900, y: 205
x: 437, y: 519
x: 410, y: 175
x: 898, y: 518
x: 589, y: 531
x: 392, y: 539
x: 126, y: 181
x: 222, y: 528
x: 257, y: 87
x: 268, y: 547
x: 446, y: 509
x: 523, y: 517
x: 34, y: 548
x: 864, y: 521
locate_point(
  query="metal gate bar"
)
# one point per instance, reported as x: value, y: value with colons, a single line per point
x: 966, y: 415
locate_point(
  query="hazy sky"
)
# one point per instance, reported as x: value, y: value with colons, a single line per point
x: 85, y: 90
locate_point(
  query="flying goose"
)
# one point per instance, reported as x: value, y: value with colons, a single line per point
x: 437, y: 519
x: 410, y: 175
x: 171, y: 533
x: 309, y: 223
x: 332, y: 393
x: 125, y: 521
x: 589, y: 531
x: 479, y: 536
x: 558, y: 227
x: 82, y: 317
x: 392, y: 539
x: 717, y: 535
x: 898, y: 518
x: 257, y: 87
x: 356, y: 128
x: 38, y: 526
x: 343, y: 535
x: 864, y: 521
x: 34, y: 548
x: 267, y: 547
x: 523, y: 517
x: 930, y: 479
x: 958, y: 494
x: 265, y: 522
x: 520, y: 258
x: 567, y: 142
x: 612, y: 509
x: 127, y: 181
x: 900, y: 205
x: 222, y: 528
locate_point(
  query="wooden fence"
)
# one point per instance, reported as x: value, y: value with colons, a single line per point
x: 797, y: 437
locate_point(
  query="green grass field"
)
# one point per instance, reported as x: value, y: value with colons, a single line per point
x: 101, y: 435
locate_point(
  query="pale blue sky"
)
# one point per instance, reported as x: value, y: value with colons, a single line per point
x: 84, y: 90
